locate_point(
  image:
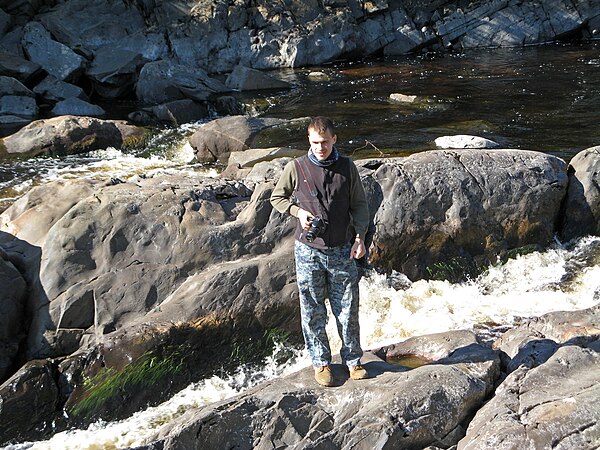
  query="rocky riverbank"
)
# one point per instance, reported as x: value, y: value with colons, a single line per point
x: 182, y: 62
x: 110, y: 279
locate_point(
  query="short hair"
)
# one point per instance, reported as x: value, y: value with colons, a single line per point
x: 321, y: 124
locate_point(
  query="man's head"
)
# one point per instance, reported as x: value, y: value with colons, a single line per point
x: 321, y: 136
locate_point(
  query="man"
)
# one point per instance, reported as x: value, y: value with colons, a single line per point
x: 324, y: 185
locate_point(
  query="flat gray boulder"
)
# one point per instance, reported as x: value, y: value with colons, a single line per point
x: 443, y: 214
x: 56, y: 58
x: 582, y: 212
x: 554, y: 405
x: 70, y: 135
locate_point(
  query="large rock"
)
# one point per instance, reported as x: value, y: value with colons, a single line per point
x: 217, y: 139
x: 105, y: 264
x: 16, y: 100
x: 163, y: 81
x: 549, y: 400
x: 396, y: 408
x: 70, y: 135
x: 447, y: 214
x: 56, y: 58
x: 114, y: 71
x: 582, y: 210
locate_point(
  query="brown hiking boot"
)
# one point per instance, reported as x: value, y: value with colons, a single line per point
x: 324, y: 376
x: 358, y: 372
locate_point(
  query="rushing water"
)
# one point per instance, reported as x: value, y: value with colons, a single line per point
x: 535, y: 98
x: 562, y: 278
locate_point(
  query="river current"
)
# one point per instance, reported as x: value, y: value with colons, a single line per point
x: 542, y: 98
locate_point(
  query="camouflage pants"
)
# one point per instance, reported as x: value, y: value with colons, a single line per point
x: 329, y: 274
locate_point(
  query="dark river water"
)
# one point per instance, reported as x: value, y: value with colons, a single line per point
x: 537, y: 98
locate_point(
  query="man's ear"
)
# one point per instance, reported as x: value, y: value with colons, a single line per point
x: 334, y: 138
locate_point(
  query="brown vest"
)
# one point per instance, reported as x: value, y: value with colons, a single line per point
x: 325, y: 192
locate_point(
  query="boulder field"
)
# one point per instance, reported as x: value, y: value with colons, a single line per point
x: 107, y: 279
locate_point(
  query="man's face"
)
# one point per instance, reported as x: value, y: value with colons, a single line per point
x: 321, y: 144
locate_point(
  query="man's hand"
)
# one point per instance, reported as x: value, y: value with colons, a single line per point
x: 305, y: 218
x: 358, y: 249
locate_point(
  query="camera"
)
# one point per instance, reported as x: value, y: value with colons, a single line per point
x: 317, y: 226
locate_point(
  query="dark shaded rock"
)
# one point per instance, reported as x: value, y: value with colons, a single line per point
x: 28, y: 402
x: 174, y: 113
x: 19, y: 68
x: 246, y: 79
x: 73, y: 106
x: 70, y: 135
x: 114, y: 71
x: 163, y: 81
x: 56, y: 58
x: 447, y: 214
x: 582, y: 204
x: 12, y: 314
x: 16, y: 100
x: 5, y: 22
x: 217, y: 139
x: 55, y: 90
x: 396, y: 408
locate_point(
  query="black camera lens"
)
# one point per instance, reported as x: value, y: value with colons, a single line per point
x: 317, y: 226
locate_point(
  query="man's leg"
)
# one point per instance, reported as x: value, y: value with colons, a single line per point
x: 311, y: 278
x: 343, y: 298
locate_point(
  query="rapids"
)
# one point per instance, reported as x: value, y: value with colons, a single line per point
x: 565, y: 277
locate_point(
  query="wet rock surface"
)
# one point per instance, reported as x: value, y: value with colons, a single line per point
x: 396, y: 407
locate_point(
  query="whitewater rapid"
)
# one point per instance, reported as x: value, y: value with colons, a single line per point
x: 565, y: 277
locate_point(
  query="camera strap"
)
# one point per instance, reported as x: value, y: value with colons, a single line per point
x: 312, y: 189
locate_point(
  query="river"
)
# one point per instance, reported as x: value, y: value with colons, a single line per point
x: 543, y: 98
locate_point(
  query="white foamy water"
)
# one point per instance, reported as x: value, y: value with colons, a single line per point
x: 530, y: 285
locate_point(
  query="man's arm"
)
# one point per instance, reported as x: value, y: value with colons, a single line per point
x: 359, y: 211
x: 280, y: 197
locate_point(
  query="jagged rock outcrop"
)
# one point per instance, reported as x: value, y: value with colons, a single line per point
x: 549, y: 400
